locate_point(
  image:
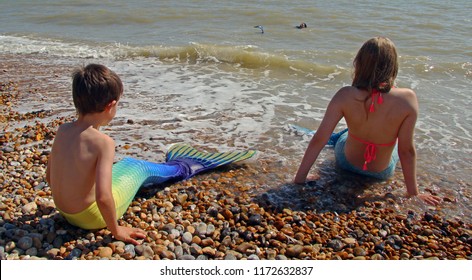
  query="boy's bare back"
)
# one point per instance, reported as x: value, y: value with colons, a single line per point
x: 80, y: 166
x: 76, y: 150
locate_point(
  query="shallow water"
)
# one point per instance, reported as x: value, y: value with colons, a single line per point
x: 200, y: 72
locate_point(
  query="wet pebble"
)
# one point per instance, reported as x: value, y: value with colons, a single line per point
x: 29, y: 208
x: 195, y: 249
x: 336, y: 244
x: 281, y: 257
x: 147, y: 252
x: 377, y: 257
x: 210, y: 229
x: 175, y: 233
x: 245, y: 248
x: 230, y: 257
x: 209, y: 251
x: 187, y: 257
x: 201, y: 229
x: 349, y: 241
x: 74, y: 254
x: 129, y: 249
x: 31, y: 251
x: 187, y: 237
x: 57, y: 242
x: 395, y: 241
x: 105, y: 252
x: 294, y: 251
x: 2, y: 253
x: 166, y: 254
x: 359, y: 251
x: 25, y: 242
x: 255, y: 220
x: 404, y: 256
x: 178, y: 251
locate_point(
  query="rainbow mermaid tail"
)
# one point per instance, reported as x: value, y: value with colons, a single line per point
x: 182, y: 162
x: 196, y: 162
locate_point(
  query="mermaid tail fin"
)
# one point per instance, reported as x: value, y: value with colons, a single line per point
x: 197, y: 162
x: 301, y: 130
x: 333, y: 139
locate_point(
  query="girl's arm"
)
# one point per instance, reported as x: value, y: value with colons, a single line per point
x: 331, y: 118
x: 407, y: 153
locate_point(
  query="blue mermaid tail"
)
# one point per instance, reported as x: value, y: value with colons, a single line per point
x: 333, y: 139
x: 198, y: 162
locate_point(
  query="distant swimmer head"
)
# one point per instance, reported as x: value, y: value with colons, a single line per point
x: 260, y: 27
x: 301, y: 26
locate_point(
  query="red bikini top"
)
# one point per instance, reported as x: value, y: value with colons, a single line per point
x: 371, y: 148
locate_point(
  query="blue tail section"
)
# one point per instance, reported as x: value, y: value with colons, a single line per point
x: 306, y: 131
x: 197, y: 161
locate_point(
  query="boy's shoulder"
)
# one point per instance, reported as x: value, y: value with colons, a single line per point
x: 65, y: 126
x: 97, y: 137
x: 89, y: 134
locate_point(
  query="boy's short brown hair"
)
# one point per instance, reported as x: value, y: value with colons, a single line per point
x: 94, y: 87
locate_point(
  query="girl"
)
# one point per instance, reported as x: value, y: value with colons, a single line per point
x: 377, y: 116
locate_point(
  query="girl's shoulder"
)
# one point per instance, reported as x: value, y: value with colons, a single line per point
x: 348, y: 94
x: 405, y: 98
x: 407, y: 92
x: 347, y: 91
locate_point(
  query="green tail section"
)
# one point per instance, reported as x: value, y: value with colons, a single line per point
x: 184, y: 152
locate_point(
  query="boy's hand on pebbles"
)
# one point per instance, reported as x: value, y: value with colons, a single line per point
x: 129, y: 235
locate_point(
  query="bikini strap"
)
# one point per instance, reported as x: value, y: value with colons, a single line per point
x: 370, y: 149
x: 375, y: 92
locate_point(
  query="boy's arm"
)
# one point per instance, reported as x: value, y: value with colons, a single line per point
x: 103, y: 175
x: 104, y: 195
x: 48, y: 171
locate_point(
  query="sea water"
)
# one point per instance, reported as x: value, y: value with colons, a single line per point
x: 200, y: 72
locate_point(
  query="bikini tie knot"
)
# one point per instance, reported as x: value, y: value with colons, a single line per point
x: 375, y: 93
x: 369, y: 154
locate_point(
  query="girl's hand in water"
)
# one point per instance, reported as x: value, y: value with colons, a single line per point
x: 310, y: 177
x: 429, y: 199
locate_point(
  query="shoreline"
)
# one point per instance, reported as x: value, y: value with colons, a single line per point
x: 196, y: 219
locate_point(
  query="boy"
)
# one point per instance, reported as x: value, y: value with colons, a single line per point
x: 88, y: 189
x: 79, y: 170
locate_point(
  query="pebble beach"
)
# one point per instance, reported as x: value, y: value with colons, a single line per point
x: 213, y: 216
